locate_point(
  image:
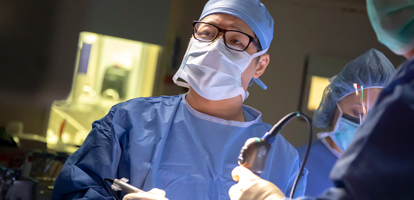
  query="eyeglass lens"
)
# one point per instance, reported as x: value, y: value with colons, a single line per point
x: 233, y: 39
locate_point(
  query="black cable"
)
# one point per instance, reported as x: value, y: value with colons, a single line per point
x: 306, y: 155
x: 280, y: 124
x: 278, y: 127
x: 106, y: 180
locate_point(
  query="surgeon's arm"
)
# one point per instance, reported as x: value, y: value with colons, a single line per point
x: 98, y: 157
x: 251, y: 187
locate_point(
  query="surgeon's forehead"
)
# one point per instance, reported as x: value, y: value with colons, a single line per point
x: 350, y: 99
x: 353, y: 99
x: 227, y: 21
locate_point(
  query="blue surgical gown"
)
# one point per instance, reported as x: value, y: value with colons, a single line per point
x: 161, y: 142
x: 319, y: 164
x: 379, y: 163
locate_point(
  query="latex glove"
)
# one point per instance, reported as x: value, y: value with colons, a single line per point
x: 251, y: 187
x: 154, y: 194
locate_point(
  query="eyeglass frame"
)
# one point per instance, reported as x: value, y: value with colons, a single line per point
x: 251, y: 38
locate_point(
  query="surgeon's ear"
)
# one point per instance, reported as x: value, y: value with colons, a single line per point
x: 261, y: 65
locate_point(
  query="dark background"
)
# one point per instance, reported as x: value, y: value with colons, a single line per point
x: 38, y: 45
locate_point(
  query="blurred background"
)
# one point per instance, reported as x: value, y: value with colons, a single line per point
x: 64, y: 63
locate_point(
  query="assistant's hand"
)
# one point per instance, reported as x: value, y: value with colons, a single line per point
x: 251, y: 187
x: 154, y: 194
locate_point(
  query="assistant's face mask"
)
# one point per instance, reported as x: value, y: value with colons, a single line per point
x: 393, y: 23
x: 213, y: 70
x: 344, y: 130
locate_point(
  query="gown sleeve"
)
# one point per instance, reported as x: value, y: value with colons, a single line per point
x: 82, y: 176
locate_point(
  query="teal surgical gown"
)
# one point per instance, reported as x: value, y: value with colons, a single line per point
x: 319, y: 164
x: 162, y: 142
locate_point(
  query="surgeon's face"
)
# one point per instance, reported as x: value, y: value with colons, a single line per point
x: 352, y: 104
x: 256, y: 67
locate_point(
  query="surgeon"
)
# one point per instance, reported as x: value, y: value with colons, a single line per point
x: 345, y: 102
x: 379, y: 162
x: 187, y: 145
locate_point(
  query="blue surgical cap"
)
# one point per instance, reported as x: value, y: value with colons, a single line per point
x: 252, y: 12
x: 370, y: 70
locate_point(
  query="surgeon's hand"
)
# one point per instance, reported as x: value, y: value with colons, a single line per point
x: 154, y: 194
x: 251, y: 187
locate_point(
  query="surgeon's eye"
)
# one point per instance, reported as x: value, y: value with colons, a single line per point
x: 205, y: 34
x: 236, y: 40
x: 358, y: 112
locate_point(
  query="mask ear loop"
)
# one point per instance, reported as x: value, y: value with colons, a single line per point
x: 340, y: 110
x: 340, y: 115
x: 328, y: 134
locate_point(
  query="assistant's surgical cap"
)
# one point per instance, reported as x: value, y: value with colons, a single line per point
x: 370, y: 70
x: 393, y: 22
x: 252, y: 12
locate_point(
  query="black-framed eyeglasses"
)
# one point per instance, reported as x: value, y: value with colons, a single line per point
x: 233, y: 39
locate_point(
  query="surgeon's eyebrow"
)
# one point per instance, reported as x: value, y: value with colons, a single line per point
x: 234, y: 27
x: 231, y: 25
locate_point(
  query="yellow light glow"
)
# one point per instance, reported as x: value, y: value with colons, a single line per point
x: 123, y: 58
x: 89, y: 100
x: 80, y: 137
x: 16, y: 139
x: 148, y: 83
x: 90, y: 39
x: 66, y: 137
x: 318, y: 85
x: 51, y: 137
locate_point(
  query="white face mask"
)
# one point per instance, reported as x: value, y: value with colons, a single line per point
x: 213, y: 70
